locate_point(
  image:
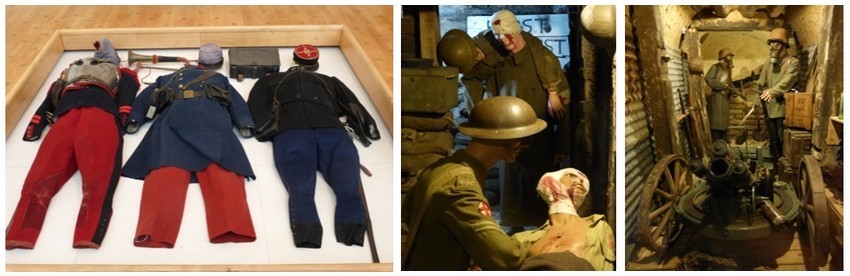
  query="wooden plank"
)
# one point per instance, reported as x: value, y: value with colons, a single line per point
x: 780, y: 251
x: 385, y: 267
x: 659, y: 102
x: 20, y: 96
x: 191, y: 37
x: 380, y: 94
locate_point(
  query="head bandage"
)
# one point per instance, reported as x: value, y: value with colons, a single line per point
x: 504, y: 22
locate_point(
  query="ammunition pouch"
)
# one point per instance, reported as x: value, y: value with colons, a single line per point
x: 271, y: 127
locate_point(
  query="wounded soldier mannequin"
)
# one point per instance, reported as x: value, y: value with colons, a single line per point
x: 567, y: 235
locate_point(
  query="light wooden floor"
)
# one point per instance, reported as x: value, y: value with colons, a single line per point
x: 29, y: 27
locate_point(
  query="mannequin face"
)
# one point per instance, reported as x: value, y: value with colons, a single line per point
x: 511, y: 42
x: 578, y: 187
x: 511, y: 148
x: 729, y: 63
x: 777, y: 49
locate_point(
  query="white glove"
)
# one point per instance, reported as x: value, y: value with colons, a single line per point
x: 563, y: 190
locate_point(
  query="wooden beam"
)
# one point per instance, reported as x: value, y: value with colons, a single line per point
x: 20, y: 96
x: 658, y: 100
x: 384, y: 267
x: 380, y: 94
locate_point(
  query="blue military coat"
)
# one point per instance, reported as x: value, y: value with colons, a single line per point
x: 191, y: 133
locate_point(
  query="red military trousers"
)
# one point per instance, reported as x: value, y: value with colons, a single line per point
x: 164, y: 196
x: 84, y: 138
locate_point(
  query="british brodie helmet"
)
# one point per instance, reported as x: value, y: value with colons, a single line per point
x: 502, y: 118
x: 457, y: 49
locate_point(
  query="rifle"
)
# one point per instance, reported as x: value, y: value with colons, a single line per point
x: 369, y: 231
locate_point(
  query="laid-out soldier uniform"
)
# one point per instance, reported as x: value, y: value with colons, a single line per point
x: 719, y: 78
x: 86, y: 107
x: 299, y: 111
x: 192, y: 141
x: 531, y: 74
x: 778, y: 76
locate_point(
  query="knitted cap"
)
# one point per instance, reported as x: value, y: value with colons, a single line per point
x: 104, y: 50
x: 210, y: 54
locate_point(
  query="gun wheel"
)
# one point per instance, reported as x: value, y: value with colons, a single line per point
x: 658, y: 224
x: 813, y: 219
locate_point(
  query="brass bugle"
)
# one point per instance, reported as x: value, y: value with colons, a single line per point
x: 133, y: 58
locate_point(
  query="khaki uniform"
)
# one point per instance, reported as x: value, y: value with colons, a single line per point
x: 778, y: 79
x: 528, y: 75
x: 480, y: 80
x: 457, y: 226
x: 599, y: 248
x: 719, y: 78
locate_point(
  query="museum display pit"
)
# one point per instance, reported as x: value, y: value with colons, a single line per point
x: 273, y: 250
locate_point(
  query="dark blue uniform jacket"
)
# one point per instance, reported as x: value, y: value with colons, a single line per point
x: 191, y: 133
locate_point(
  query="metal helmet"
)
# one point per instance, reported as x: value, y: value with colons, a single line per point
x: 725, y: 52
x: 778, y: 34
x: 502, y: 118
x: 457, y: 49
x: 504, y: 22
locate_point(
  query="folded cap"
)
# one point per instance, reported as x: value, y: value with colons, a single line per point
x: 210, y: 54
x: 104, y: 50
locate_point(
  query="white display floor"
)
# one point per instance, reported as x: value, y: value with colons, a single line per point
x: 267, y: 198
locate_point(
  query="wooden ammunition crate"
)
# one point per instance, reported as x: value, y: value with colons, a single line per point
x: 795, y: 144
x: 787, y: 171
x: 429, y: 89
x: 798, y: 110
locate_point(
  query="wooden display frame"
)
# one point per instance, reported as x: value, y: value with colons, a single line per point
x: 21, y: 95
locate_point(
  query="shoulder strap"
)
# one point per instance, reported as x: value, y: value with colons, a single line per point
x: 422, y: 203
x: 204, y: 76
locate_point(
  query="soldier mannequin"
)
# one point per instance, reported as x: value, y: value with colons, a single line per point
x: 530, y: 72
x: 719, y: 78
x: 450, y: 219
x: 589, y: 238
x: 778, y: 76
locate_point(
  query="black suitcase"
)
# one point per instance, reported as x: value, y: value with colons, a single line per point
x: 253, y: 62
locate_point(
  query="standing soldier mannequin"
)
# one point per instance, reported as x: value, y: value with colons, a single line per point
x: 719, y: 78
x: 449, y: 219
x: 88, y: 107
x: 299, y: 111
x: 778, y: 76
x: 476, y: 58
x: 192, y: 141
x: 532, y: 73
